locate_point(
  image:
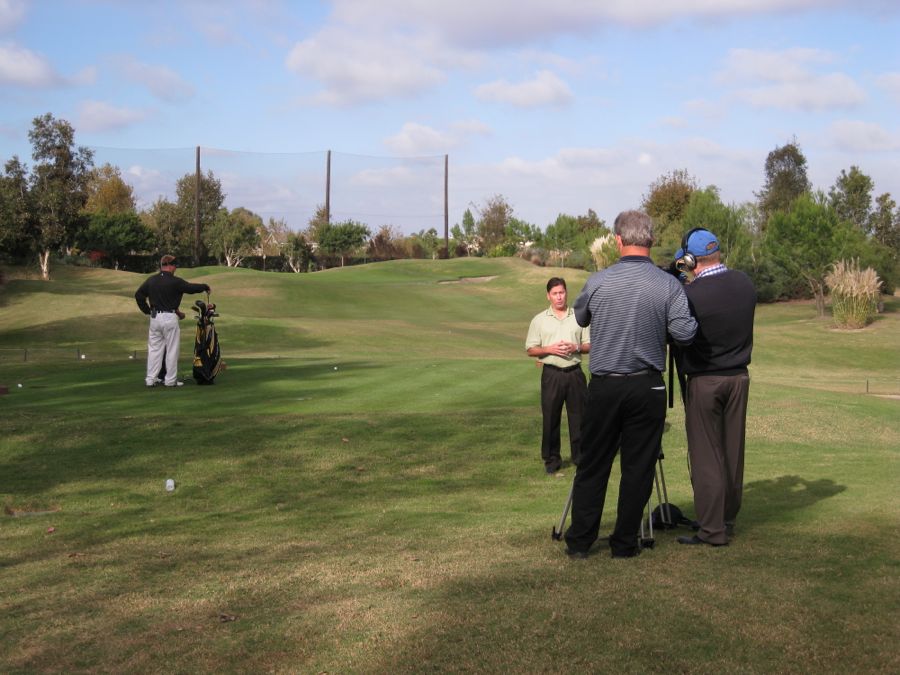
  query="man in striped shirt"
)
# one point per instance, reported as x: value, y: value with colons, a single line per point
x: 630, y: 307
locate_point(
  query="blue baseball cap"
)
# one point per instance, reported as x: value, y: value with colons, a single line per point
x: 699, y: 244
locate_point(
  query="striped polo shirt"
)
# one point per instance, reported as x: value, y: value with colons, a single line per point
x: 630, y: 307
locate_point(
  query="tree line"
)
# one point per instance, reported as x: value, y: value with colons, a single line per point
x: 787, y: 239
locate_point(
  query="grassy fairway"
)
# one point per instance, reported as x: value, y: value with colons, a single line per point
x: 361, y: 491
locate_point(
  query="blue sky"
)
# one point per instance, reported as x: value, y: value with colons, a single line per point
x: 558, y: 106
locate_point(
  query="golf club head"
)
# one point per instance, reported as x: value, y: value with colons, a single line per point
x: 556, y: 536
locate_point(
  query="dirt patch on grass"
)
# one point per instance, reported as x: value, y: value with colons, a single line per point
x: 468, y: 280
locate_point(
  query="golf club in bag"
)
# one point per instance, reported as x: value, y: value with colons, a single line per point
x: 665, y: 515
x: 207, y: 356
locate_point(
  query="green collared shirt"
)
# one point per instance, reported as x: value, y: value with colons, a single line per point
x: 546, y: 328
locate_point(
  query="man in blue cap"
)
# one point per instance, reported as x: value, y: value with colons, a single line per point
x: 715, y: 364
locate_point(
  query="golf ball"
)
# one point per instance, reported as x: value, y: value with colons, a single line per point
x: 19, y: 385
x: 82, y: 356
x: 335, y: 367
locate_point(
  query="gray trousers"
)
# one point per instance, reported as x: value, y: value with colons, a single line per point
x: 716, y: 421
x: 163, y: 338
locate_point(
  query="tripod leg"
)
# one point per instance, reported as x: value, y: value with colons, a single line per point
x: 558, y: 532
x: 666, y: 508
x: 648, y: 542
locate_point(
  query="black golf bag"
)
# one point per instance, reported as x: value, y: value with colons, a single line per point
x: 207, y: 357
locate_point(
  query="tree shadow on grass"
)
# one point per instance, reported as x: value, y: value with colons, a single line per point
x: 767, y: 499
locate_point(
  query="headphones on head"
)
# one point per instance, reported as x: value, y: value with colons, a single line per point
x: 688, y: 261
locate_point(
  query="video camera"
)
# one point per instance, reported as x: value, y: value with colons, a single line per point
x: 677, y: 269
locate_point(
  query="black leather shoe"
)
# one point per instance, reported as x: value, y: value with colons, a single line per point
x: 695, y: 540
x: 576, y: 555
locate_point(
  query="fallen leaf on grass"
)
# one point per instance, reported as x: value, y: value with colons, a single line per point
x: 225, y: 618
x: 345, y: 440
x: 51, y: 530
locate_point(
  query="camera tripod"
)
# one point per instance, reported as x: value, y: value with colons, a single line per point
x: 663, y: 507
x: 667, y: 519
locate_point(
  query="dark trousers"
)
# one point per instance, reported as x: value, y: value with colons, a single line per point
x: 625, y: 414
x: 560, y: 387
x: 716, y: 420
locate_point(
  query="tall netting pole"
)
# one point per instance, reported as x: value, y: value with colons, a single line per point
x: 446, y: 206
x: 328, y: 187
x: 197, y: 211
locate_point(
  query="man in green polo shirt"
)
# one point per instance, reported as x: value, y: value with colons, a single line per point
x: 557, y: 341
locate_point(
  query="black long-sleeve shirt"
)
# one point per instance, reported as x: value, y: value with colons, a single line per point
x: 164, y: 291
x: 724, y: 305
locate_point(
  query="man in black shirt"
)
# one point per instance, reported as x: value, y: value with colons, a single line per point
x: 164, y: 292
x: 718, y: 384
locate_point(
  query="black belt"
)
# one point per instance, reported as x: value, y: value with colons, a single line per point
x: 634, y: 374
x: 154, y: 312
x: 562, y: 370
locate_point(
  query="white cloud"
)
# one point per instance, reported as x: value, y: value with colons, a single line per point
x: 674, y: 122
x: 101, y: 116
x: 788, y: 80
x: 857, y: 136
x: 506, y: 22
x: 827, y: 92
x: 790, y: 65
x: 162, y: 82
x: 393, y: 177
x: 703, y: 109
x: 355, y: 68
x: 417, y: 139
x: 21, y: 66
x: 471, y: 128
x: 577, y: 164
x: 606, y: 179
x: 11, y: 14
x: 576, y: 158
x: 545, y: 89
x: 148, y: 184
x: 890, y: 82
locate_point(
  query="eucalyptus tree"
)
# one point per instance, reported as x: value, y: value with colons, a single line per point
x: 58, y: 186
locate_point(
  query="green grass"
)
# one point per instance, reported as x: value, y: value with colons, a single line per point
x: 392, y: 515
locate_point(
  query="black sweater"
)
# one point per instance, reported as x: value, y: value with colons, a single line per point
x: 724, y: 305
x: 164, y: 290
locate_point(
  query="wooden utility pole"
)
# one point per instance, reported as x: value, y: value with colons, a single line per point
x: 328, y: 187
x: 197, y: 211
x: 446, y: 206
